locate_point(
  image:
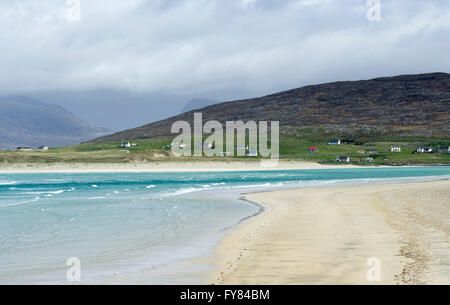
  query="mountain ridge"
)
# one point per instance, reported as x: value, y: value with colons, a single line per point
x: 26, y: 121
x: 403, y: 105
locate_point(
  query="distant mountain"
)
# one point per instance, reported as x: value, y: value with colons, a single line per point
x: 25, y: 121
x: 406, y: 105
x: 197, y: 104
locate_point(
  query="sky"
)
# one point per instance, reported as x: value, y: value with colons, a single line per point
x: 150, y: 57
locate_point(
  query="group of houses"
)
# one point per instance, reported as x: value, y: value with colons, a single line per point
x: 430, y: 150
x: 127, y: 144
x: 27, y: 148
x: 347, y: 159
x: 208, y: 145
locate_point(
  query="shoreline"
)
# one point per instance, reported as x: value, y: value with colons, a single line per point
x: 200, y: 166
x: 251, y: 252
x: 176, y: 167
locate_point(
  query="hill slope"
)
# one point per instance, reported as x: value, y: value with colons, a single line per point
x: 26, y: 121
x: 406, y: 105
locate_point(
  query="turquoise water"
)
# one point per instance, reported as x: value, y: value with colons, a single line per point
x: 120, y: 223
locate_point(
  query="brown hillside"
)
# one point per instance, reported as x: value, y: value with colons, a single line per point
x: 406, y: 105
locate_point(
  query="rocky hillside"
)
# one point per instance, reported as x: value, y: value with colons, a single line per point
x: 26, y: 121
x: 406, y: 105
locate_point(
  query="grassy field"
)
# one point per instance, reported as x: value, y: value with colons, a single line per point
x: 150, y: 150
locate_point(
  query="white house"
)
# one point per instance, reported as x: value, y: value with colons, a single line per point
x: 43, y: 147
x: 125, y: 145
x: 334, y: 142
x: 395, y: 148
x: 422, y: 150
x: 343, y: 159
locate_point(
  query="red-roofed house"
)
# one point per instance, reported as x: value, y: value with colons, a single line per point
x: 313, y: 149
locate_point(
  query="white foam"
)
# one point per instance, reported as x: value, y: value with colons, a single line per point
x: 184, y: 191
x: 44, y: 192
x: 57, y: 192
x: 8, y: 182
x: 22, y: 202
x: 150, y: 186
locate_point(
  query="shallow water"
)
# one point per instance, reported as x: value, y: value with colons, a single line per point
x: 122, y: 223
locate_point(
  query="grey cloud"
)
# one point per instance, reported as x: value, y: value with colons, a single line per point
x: 185, y: 47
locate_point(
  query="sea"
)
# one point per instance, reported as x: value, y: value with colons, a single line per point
x: 143, y: 228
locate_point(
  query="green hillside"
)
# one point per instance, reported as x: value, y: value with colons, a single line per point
x: 155, y: 150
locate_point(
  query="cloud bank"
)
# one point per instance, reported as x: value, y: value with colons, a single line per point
x: 190, y: 46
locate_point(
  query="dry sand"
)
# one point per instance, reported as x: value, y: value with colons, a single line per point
x: 326, y: 235
x: 199, y: 166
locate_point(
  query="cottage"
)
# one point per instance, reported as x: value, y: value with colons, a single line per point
x: 423, y: 150
x: 313, y: 149
x: 343, y: 159
x: 43, y: 147
x: 334, y: 142
x: 125, y: 145
x: 395, y: 148
x: 420, y: 150
x: 368, y: 160
x: 24, y: 148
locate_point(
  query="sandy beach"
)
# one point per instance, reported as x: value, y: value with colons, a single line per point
x: 326, y: 235
x: 199, y: 166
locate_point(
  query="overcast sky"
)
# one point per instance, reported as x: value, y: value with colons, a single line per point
x: 195, y: 48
